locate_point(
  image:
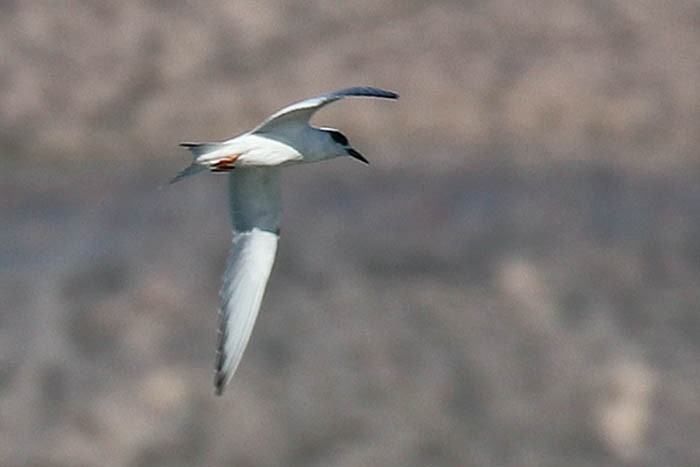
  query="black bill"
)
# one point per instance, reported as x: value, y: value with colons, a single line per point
x: 357, y: 156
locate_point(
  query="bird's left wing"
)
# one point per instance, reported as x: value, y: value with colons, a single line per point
x: 301, y: 112
x: 256, y: 211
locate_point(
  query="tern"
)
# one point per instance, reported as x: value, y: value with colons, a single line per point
x: 253, y: 160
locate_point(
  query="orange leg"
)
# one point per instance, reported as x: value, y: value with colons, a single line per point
x: 225, y: 164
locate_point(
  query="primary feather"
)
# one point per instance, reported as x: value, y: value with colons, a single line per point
x: 255, y: 211
x: 299, y: 113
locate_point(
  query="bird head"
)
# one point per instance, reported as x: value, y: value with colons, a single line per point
x: 343, y: 146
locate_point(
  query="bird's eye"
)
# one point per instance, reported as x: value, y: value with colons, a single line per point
x: 339, y: 138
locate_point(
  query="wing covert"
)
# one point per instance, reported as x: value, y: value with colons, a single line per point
x: 299, y: 113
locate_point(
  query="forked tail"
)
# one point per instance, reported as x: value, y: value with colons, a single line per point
x: 197, y: 150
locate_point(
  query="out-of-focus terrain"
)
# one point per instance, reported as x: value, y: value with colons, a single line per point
x: 514, y: 281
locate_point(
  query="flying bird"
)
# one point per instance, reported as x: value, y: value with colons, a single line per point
x: 253, y: 160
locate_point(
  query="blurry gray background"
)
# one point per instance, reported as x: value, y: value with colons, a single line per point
x: 513, y: 281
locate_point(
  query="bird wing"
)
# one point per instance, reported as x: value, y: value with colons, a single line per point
x: 255, y: 211
x: 301, y: 112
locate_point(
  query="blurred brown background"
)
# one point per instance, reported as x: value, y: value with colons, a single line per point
x: 514, y: 281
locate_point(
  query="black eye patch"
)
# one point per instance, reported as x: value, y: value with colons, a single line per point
x: 339, y: 138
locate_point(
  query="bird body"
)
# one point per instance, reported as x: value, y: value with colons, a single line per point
x: 253, y: 160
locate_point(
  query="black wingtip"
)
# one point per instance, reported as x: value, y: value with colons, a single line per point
x: 376, y: 92
x: 365, y: 91
x: 219, y: 383
x: 219, y: 373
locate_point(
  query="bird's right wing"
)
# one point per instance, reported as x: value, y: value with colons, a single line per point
x: 301, y: 112
x: 256, y: 211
